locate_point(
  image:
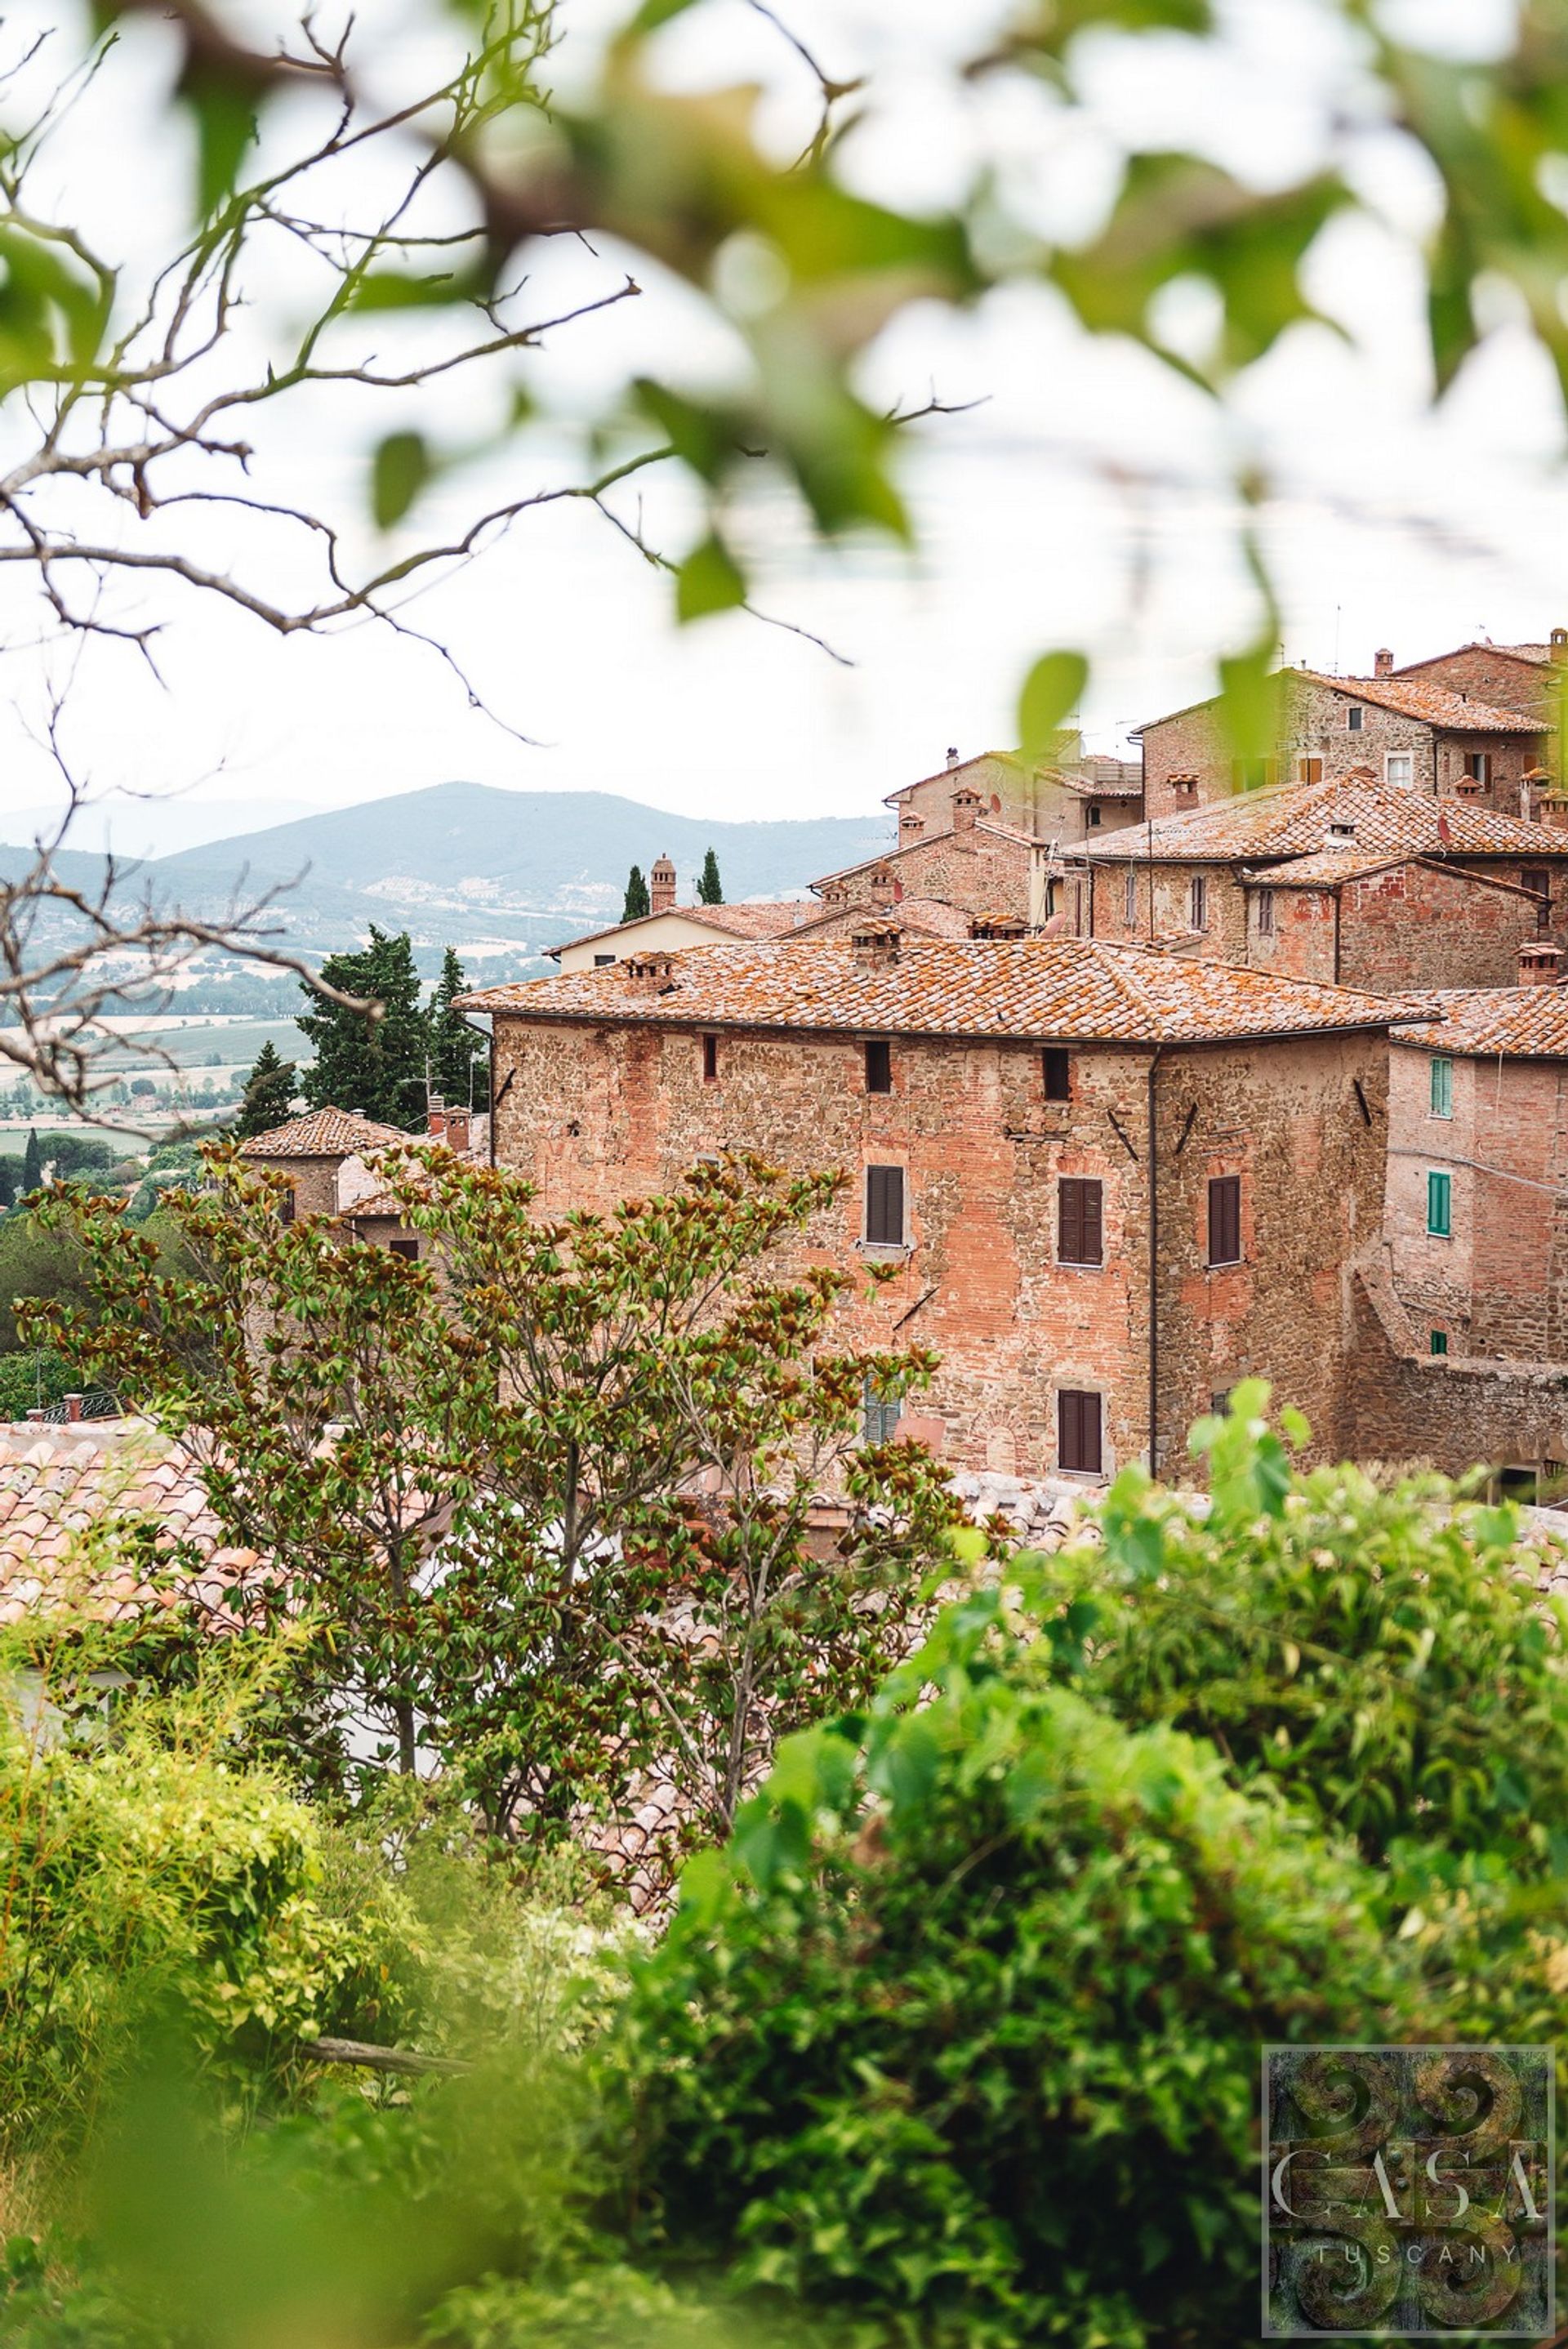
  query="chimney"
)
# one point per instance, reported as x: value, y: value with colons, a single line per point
x: 874, y: 944
x: 648, y: 974
x: 73, y: 1407
x: 951, y: 755
x: 834, y: 893
x: 1539, y: 963
x: 911, y: 825
x: 457, y: 1130
x: 661, y: 886
x: 998, y: 926
x: 1559, y: 643
x: 1383, y: 662
x: 436, y: 1118
x: 882, y: 888
x: 965, y: 807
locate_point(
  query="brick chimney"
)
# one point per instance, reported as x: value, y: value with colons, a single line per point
x: 661, y: 885
x: 882, y: 888
x: 874, y: 944
x: 966, y: 808
x: 457, y: 1130
x: 1539, y: 963
x: 834, y: 893
x: 436, y: 1118
x: 998, y: 926
x: 648, y: 974
x: 911, y: 825
x: 1559, y: 643
x: 73, y: 1406
x: 1383, y: 662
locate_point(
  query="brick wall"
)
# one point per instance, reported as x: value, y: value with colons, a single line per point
x: 1408, y: 1406
x: 314, y: 1182
x: 1224, y: 935
x: 1035, y: 803
x: 1487, y: 674
x: 981, y: 871
x: 595, y: 1115
x: 1419, y: 925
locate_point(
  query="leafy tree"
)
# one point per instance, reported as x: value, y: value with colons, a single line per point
x: 269, y: 1092
x: 479, y: 1488
x: 370, y: 1061
x: 32, y: 1162
x: 459, y: 1057
x: 75, y: 1154
x: 709, y: 887
x: 9, y: 1184
x: 636, y: 901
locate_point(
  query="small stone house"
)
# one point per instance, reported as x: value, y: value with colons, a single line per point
x: 666, y: 928
x: 1074, y: 799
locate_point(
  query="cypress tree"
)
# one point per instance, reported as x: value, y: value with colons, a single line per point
x: 374, y: 1065
x: 8, y: 1180
x: 269, y: 1092
x: 710, y: 888
x: 32, y: 1163
x: 459, y: 1062
x: 636, y: 904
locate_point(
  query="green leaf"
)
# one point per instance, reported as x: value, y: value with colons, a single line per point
x: 709, y: 580
x: 225, y: 126
x: 400, y: 469
x: 1050, y: 693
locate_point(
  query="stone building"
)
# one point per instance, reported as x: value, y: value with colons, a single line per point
x: 328, y: 1157
x: 1411, y: 731
x: 666, y: 928
x: 1510, y: 676
x: 1106, y: 1183
x: 1351, y: 881
x: 1072, y: 797
x: 978, y: 864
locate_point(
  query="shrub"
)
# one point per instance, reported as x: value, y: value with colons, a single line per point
x: 29, y: 1380
x: 960, y: 2037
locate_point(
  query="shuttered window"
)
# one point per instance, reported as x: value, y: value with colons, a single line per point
x: 1077, y: 1431
x: 1129, y: 900
x: 287, y: 1206
x: 1439, y: 1342
x: 1442, y: 1085
x: 408, y: 1248
x: 884, y: 1207
x: 879, y: 1067
x: 1198, y: 903
x: 1265, y: 912
x: 1079, y: 1221
x: 1225, y: 1219
x: 1440, y: 1205
x: 1058, y: 1071
x: 1540, y: 882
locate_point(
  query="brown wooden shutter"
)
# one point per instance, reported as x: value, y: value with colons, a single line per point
x: 1079, y: 1221
x: 884, y: 1207
x: 1225, y: 1219
x: 1077, y: 1431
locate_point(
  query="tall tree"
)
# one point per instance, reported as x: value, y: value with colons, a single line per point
x: 369, y: 1062
x: 459, y: 1058
x: 636, y: 904
x: 710, y: 888
x: 8, y: 1185
x: 32, y: 1162
x: 269, y: 1092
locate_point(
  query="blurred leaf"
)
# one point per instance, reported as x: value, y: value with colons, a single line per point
x: 1050, y: 693
x: 400, y: 469
x: 225, y: 126
x: 1250, y: 702
x: 701, y: 437
x: 390, y: 289
x: 709, y: 580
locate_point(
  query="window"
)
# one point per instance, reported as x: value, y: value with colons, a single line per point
x: 1220, y: 1402
x: 879, y: 1414
x: 1198, y: 903
x: 1059, y: 1071
x: 884, y: 1207
x: 1353, y: 718
x: 406, y: 1248
x: 1309, y: 770
x: 1129, y: 899
x: 710, y: 1060
x: 1535, y: 878
x: 1092, y: 818
x: 1077, y: 1431
x: 879, y: 1067
x: 1079, y: 1221
x: 287, y: 1206
x: 1225, y: 1219
x: 1399, y: 767
x: 1478, y: 766
x: 1265, y: 912
x: 1442, y: 1085
x: 1439, y: 1342
x: 1440, y: 1205
x: 600, y: 961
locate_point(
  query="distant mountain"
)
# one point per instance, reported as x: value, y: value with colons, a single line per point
x: 468, y: 863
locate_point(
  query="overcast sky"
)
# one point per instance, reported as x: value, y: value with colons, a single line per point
x: 1084, y: 502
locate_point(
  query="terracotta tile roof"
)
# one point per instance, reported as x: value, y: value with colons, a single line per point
x: 1024, y: 988
x: 1434, y: 704
x: 1519, y: 1022
x: 1297, y: 820
x: 931, y: 917
x: 987, y: 823
x: 1085, y: 788
x: 323, y: 1134
x: 742, y: 921
x: 1349, y: 862
x: 56, y: 1485
x: 1541, y: 655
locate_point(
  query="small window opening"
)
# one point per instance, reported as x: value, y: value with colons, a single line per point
x: 1078, y: 1432
x: 1059, y: 1071
x: 1353, y: 718
x: 1443, y: 1092
x: 710, y: 1060
x: 879, y: 1067
x: 1440, y: 1206
x: 1092, y: 818
x: 884, y: 1207
x: 1225, y: 1219
x: 1265, y: 912
x: 1129, y: 899
x: 406, y: 1248
x: 1198, y: 903
x: 1080, y: 1221
x: 1439, y: 1342
x: 879, y: 1414
x: 600, y: 961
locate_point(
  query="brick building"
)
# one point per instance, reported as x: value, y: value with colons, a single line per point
x: 1350, y: 881
x: 1411, y: 731
x: 978, y: 863
x: 328, y: 1154
x: 1072, y: 797
x: 1510, y: 676
x: 1108, y: 1183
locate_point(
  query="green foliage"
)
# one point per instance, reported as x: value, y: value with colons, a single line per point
x: 1051, y: 693
x: 370, y: 1061
x: 460, y: 1055
x: 401, y: 467
x: 37, y: 1261
x: 32, y: 1162
x: 28, y: 1381
x: 709, y: 887
x: 10, y: 1181
x: 959, y: 2038
x: 75, y: 1154
x: 269, y: 1092
x: 708, y: 580
x: 636, y: 900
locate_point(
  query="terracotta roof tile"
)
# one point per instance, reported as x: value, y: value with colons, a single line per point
x: 1332, y: 865
x: 1298, y: 820
x: 991, y: 824
x: 1025, y: 987
x: 1519, y: 1022
x: 743, y: 921
x: 1434, y: 704
x: 931, y: 917
x: 322, y: 1133
x: 1541, y: 655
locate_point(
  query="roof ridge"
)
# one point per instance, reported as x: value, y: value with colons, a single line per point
x: 1103, y: 948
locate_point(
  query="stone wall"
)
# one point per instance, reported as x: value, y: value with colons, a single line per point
x: 1124, y: 918
x: 1488, y: 674
x: 980, y: 870
x: 1451, y: 1411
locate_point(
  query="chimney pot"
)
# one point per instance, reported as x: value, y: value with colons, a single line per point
x: 953, y: 754
x: 661, y: 885
x: 1383, y: 662
x: 874, y: 944
x: 457, y: 1130
x: 1539, y: 963
x: 965, y: 807
x: 1560, y: 640
x: 882, y: 888
x: 435, y: 1120
x: 911, y: 823
x: 648, y: 973
x: 73, y: 1406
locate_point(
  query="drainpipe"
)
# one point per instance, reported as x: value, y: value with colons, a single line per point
x: 1337, y: 898
x: 1153, y: 1272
